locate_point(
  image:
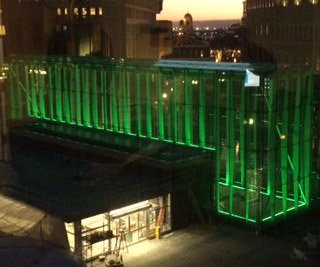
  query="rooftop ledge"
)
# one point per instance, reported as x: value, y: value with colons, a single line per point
x: 165, y: 64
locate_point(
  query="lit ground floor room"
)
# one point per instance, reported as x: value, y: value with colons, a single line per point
x: 113, y: 232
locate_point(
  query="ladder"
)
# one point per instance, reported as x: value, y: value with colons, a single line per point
x: 121, y: 243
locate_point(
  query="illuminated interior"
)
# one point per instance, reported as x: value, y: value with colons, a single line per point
x: 137, y: 221
x: 261, y: 136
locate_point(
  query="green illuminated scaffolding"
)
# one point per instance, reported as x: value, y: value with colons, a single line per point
x: 261, y: 136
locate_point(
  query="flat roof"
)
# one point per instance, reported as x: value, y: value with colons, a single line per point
x: 67, y: 176
x: 149, y: 63
x: 149, y: 148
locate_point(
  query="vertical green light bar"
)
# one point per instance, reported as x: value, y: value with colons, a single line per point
x: 271, y: 149
x: 41, y: 80
x: 115, y: 120
x: 19, y: 99
x: 175, y: 108
x: 124, y: 96
x: 120, y: 98
x: 12, y: 96
x: 187, y: 121
x: 77, y: 92
x: 160, y: 106
x: 168, y: 107
x: 104, y: 100
x: 230, y: 141
x: 33, y: 94
x: 58, y: 98
x: 65, y: 96
x: 284, y: 147
x: 128, y: 99
x: 242, y: 146
x: 27, y: 87
x: 148, y: 105
x: 295, y: 141
x: 71, y: 94
x: 202, y: 112
x: 50, y: 92
x: 217, y: 136
x: 256, y: 128
x: 126, y: 87
x: 191, y: 88
x: 138, y: 104
x: 85, y: 97
x: 94, y: 97
x: 307, y: 138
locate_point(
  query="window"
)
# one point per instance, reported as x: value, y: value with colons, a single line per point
x: 92, y: 11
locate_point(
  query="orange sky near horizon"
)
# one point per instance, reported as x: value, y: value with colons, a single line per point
x: 201, y: 9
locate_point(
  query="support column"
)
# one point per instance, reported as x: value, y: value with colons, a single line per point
x: 125, y: 100
x: 58, y: 97
x: 307, y: 137
x: 257, y: 179
x: 27, y: 88
x: 187, y: 105
x: 202, y: 113
x: 243, y: 150
x: 12, y: 97
x: 65, y: 96
x: 105, y: 98
x: 160, y: 106
x: 230, y: 141
x: 271, y: 150
x: 217, y: 137
x: 77, y: 89
x: 284, y: 147
x: 128, y: 101
x: 148, y: 105
x: 85, y: 90
x: 115, y: 120
x: 295, y: 141
x: 42, y: 106
x: 78, y: 239
x: 19, y: 94
x: 138, y: 104
x: 50, y: 92
x: 175, y: 108
x: 94, y: 99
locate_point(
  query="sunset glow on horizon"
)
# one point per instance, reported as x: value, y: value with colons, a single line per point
x: 201, y: 9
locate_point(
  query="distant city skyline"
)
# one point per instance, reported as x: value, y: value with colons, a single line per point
x: 201, y: 9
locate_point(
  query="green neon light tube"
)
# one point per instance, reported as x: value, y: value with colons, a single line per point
x: 65, y: 96
x: 58, y: 97
x: 202, y: 113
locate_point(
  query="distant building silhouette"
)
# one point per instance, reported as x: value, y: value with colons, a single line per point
x: 187, y: 44
x: 227, y: 45
x: 286, y: 31
x: 81, y: 27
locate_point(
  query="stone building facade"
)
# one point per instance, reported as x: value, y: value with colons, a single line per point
x: 124, y: 28
x: 283, y: 31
